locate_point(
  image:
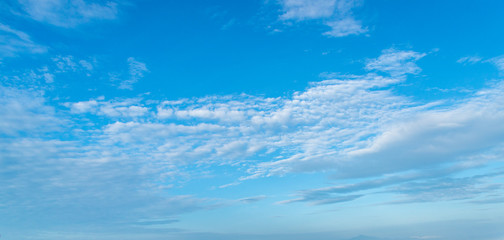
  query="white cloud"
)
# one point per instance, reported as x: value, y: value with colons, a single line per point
x: 86, y: 65
x: 355, y: 126
x: 44, y: 171
x: 312, y: 125
x: 396, y: 62
x: 48, y: 77
x: 71, y: 64
x: 498, y: 62
x: 337, y: 14
x: 128, y: 108
x: 345, y: 27
x: 469, y: 60
x: 25, y: 111
x: 302, y: 9
x: 69, y: 13
x: 136, y: 72
x: 14, y: 42
x: 84, y: 106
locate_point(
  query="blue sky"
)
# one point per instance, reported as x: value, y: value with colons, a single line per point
x: 267, y: 119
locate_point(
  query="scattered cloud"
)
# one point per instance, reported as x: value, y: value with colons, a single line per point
x: 136, y: 72
x: 345, y: 27
x: 336, y: 14
x: 353, y: 127
x: 75, y: 175
x: 229, y: 24
x: 14, y: 42
x: 71, y: 64
x: 469, y: 60
x: 63, y: 13
x: 396, y: 62
x: 498, y: 62
x: 302, y: 10
x: 252, y: 199
x: 25, y: 111
x: 425, y: 185
x: 323, y: 199
x: 444, y: 189
x: 128, y: 108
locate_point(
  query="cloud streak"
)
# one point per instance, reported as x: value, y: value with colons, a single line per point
x: 70, y: 13
x: 14, y: 42
x: 336, y: 14
x: 396, y: 62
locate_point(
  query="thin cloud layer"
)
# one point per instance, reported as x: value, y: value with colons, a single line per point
x: 136, y: 71
x: 336, y: 14
x: 14, y: 42
x: 498, y: 62
x: 69, y: 14
x: 396, y: 62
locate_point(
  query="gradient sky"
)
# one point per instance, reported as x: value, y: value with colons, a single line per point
x: 251, y: 120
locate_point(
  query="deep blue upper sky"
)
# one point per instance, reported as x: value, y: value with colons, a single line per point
x: 261, y: 119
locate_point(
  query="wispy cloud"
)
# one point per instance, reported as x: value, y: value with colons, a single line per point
x: 337, y: 14
x: 71, y: 64
x: 70, y: 13
x: 469, y: 60
x: 14, y: 42
x: 344, y: 27
x: 498, y: 62
x: 301, y: 10
x: 127, y: 108
x: 136, y: 71
x: 321, y: 199
x: 25, y: 111
x: 396, y: 62
x: 252, y: 199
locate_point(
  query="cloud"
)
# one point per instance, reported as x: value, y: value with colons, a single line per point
x: 63, y: 178
x: 25, y: 112
x: 252, y: 199
x: 497, y: 62
x: 345, y: 27
x: 316, y: 199
x: 469, y: 60
x: 444, y: 189
x: 396, y: 62
x: 136, y: 72
x: 418, y: 186
x: 437, y: 136
x: 127, y: 108
x: 301, y: 10
x: 356, y: 126
x: 70, y: 64
x: 352, y: 127
x: 63, y: 13
x: 336, y: 14
x: 14, y: 42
